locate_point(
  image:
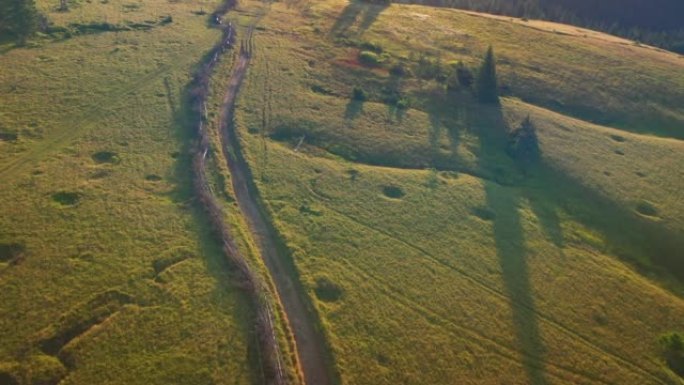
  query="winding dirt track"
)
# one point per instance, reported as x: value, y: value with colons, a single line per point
x: 310, y: 347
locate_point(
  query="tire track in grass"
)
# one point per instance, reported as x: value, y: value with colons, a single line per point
x: 478, y: 282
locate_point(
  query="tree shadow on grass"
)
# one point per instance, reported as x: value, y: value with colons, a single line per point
x: 643, y: 243
x: 510, y: 245
x: 355, y: 10
x: 445, y: 115
x: 370, y: 14
x: 353, y: 110
x: 546, y: 214
x: 550, y: 190
x: 347, y: 18
x: 509, y: 239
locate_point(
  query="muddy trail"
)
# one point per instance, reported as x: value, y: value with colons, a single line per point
x: 310, y: 345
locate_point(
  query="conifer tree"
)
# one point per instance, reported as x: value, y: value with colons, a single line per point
x: 486, y: 83
x: 523, y: 145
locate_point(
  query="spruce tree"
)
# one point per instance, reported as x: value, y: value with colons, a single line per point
x: 486, y: 83
x: 523, y: 144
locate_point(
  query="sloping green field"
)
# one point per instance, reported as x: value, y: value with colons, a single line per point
x: 430, y: 256
x: 108, y: 274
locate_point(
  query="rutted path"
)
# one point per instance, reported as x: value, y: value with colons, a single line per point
x: 311, y: 349
x: 270, y: 356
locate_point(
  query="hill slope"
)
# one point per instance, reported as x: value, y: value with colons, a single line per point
x: 430, y: 257
x: 107, y: 272
x: 655, y: 22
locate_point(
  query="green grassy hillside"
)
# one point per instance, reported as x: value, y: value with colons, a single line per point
x: 430, y: 256
x: 108, y: 274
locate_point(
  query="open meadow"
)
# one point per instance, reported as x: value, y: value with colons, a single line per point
x: 315, y: 192
x: 108, y: 273
x: 429, y: 254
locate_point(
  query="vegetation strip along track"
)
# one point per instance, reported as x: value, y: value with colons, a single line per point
x: 271, y: 358
x: 310, y: 345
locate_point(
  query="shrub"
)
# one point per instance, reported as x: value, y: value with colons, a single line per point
x: 673, y: 346
x: 403, y: 104
x: 327, y: 291
x: 398, y: 70
x: 359, y: 94
x: 369, y: 58
x: 368, y: 46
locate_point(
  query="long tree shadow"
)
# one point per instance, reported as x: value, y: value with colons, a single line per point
x: 370, y: 14
x: 510, y: 246
x: 509, y: 239
x: 445, y: 113
x: 355, y: 10
x: 347, y: 18
x: 640, y: 241
x: 546, y: 213
x: 353, y: 110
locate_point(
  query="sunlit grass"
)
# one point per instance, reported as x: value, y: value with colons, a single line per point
x: 446, y: 263
x: 96, y: 189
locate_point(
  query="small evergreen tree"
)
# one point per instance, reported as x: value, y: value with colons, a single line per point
x: 486, y: 83
x: 523, y: 145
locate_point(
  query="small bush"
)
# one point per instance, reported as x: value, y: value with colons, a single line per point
x: 369, y: 58
x: 106, y: 157
x: 359, y: 94
x: 11, y: 251
x: 393, y: 192
x: 327, y: 291
x: 673, y: 346
x: 398, y: 70
x: 484, y: 213
x: 464, y: 75
x: 523, y: 145
x: 374, y: 47
x: 66, y: 198
x: 8, y: 136
x: 647, y: 208
x: 403, y: 104
x: 321, y: 89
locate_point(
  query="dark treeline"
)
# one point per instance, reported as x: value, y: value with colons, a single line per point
x: 655, y: 22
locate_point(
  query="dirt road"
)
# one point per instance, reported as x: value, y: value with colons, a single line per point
x: 311, y: 348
